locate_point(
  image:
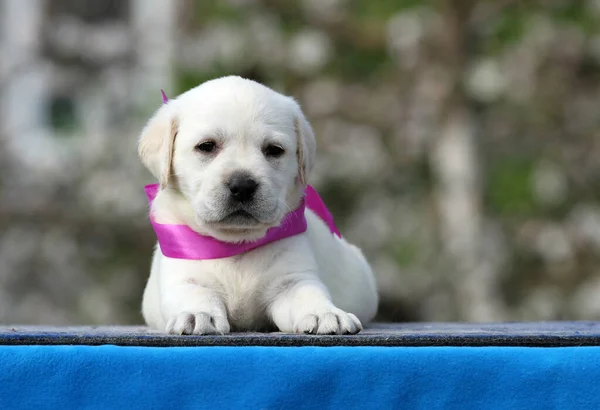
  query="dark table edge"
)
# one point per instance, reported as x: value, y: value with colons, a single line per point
x: 301, y: 340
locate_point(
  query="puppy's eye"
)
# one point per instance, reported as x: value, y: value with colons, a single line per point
x: 206, y: 146
x: 273, y: 151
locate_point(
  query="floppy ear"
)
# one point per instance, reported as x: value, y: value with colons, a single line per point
x: 157, y: 142
x: 306, y: 146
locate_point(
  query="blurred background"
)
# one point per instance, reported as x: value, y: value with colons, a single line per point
x: 459, y: 144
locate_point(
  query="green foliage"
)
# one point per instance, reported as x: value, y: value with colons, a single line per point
x: 576, y: 13
x: 354, y: 64
x: 382, y: 9
x: 63, y: 115
x: 291, y: 18
x: 187, y: 79
x: 511, y: 23
x: 507, y: 28
x: 406, y: 253
x: 340, y: 196
x: 509, y: 188
x: 217, y: 10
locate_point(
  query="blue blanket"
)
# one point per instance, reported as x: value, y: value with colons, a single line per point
x: 111, y: 377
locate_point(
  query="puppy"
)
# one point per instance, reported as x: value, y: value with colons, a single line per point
x: 232, y: 158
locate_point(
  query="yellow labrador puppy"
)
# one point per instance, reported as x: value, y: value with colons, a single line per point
x: 232, y: 159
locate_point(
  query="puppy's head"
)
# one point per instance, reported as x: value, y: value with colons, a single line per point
x: 235, y: 152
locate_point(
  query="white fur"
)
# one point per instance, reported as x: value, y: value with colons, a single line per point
x: 312, y: 282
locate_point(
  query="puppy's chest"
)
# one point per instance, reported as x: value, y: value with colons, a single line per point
x: 243, y: 289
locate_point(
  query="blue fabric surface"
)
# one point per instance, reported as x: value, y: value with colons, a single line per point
x: 110, y: 377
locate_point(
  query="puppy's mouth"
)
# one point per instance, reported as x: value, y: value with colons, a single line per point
x: 239, y: 218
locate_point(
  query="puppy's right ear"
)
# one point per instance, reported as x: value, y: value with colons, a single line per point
x: 157, y: 142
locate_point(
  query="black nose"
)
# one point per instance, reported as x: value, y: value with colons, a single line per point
x: 242, y: 187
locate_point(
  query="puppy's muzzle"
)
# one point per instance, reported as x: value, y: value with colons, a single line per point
x: 242, y: 187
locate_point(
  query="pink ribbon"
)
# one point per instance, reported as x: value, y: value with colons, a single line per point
x: 180, y: 242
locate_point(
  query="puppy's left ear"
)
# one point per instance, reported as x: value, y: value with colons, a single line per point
x: 157, y: 142
x: 306, y: 146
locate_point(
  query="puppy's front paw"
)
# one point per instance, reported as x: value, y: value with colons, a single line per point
x: 200, y: 323
x: 333, y: 322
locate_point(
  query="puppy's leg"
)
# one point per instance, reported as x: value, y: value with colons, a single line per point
x: 198, y: 312
x: 301, y: 304
x: 190, y: 306
x: 191, y: 309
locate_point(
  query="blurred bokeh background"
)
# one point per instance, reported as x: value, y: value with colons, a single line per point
x: 459, y: 144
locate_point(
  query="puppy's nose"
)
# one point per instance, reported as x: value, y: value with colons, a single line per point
x: 242, y: 187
